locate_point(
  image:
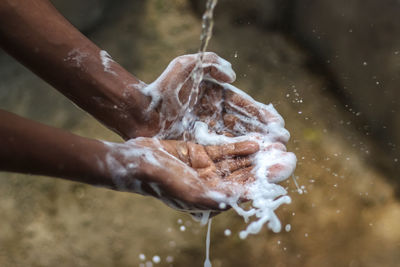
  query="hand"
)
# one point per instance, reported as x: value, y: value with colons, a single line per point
x: 174, y: 93
x: 176, y: 103
x: 227, y: 114
x: 231, y: 112
x: 182, y: 174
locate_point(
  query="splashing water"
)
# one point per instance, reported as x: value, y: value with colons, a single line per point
x: 265, y: 196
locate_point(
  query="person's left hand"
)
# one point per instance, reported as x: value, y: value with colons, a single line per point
x: 182, y: 174
x: 175, y: 93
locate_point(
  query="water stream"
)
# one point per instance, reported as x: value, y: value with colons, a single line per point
x: 206, y: 33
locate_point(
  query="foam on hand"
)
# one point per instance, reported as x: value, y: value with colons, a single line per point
x: 106, y: 62
x: 272, y: 164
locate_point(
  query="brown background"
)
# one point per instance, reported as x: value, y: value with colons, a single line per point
x: 307, y: 58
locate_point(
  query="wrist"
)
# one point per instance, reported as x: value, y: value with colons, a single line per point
x: 121, y: 167
x: 90, y: 163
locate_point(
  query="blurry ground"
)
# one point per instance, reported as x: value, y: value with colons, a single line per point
x: 348, y: 217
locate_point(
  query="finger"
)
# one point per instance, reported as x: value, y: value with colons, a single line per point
x: 187, y: 92
x: 277, y: 146
x: 238, y: 101
x: 213, y: 65
x: 178, y: 149
x: 228, y: 134
x: 242, y: 126
x: 235, y: 149
x: 230, y: 165
x: 210, y: 102
x: 275, y: 173
x: 242, y: 176
x: 218, y: 68
x: 278, y: 172
x: 204, y: 203
x: 198, y: 157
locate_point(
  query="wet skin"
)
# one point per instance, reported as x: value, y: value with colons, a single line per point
x: 44, y: 41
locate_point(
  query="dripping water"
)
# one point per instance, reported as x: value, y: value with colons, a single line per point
x: 207, y: 262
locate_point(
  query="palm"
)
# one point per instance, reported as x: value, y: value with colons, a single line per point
x: 232, y: 113
x: 181, y: 173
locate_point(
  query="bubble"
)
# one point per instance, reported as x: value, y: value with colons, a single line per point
x: 182, y: 228
x: 288, y: 227
x: 142, y: 257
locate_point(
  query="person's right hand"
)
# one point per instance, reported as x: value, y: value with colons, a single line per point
x: 182, y: 174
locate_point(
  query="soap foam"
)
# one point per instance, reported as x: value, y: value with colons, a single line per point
x: 105, y: 61
x: 265, y: 195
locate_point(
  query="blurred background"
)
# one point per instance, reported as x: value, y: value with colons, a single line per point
x: 331, y: 68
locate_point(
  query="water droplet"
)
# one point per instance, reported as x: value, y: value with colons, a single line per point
x: 222, y: 205
x: 169, y: 259
x: 227, y: 232
x: 156, y: 259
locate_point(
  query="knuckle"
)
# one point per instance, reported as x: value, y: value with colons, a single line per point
x: 184, y: 59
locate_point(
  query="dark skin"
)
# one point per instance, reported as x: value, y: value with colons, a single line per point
x: 187, y: 170
x: 38, y: 36
x: 44, y: 41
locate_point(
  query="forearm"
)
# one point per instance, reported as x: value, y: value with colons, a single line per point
x: 43, y: 40
x: 33, y: 148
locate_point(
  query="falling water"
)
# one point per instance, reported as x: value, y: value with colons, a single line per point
x: 207, y: 26
x: 206, y: 33
x: 207, y: 262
